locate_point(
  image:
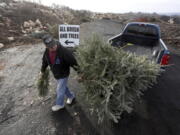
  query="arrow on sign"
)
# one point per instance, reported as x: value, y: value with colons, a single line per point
x: 67, y: 42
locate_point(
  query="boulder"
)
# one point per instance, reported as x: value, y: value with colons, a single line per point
x: 1, y: 45
x: 3, y: 4
x: 2, y: 24
x: 31, y: 23
x: 26, y: 24
x: 171, y: 21
x: 38, y: 23
x: 8, y: 21
x: 11, y: 38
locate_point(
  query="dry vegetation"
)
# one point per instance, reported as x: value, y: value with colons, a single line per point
x: 15, y: 14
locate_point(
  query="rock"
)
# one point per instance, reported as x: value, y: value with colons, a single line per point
x: 1, y: 45
x: 37, y: 31
x: 23, y: 31
x: 32, y: 102
x: 24, y: 103
x: 7, y: 21
x: 27, y: 31
x: 3, y: 4
x: 11, y: 38
x: 30, y: 27
x: 31, y: 23
x: 12, y: 4
x: 171, y: 21
x: 1, y: 24
x: 26, y: 24
x: 25, y: 35
x: 38, y: 23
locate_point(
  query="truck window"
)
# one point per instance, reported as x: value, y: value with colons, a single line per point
x: 143, y: 30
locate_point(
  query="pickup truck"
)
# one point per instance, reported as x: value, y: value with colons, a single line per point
x: 143, y: 39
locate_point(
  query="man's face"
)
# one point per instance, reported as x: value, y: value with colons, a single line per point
x: 52, y: 49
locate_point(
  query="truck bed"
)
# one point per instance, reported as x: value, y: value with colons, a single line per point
x: 138, y: 49
x: 142, y: 39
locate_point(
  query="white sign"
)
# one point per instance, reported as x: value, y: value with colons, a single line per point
x: 69, y: 35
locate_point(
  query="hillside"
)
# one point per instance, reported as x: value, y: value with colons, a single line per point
x: 20, y: 19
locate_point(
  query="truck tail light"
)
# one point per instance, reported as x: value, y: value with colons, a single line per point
x: 165, y: 59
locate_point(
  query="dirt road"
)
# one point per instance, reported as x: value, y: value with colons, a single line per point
x: 22, y: 112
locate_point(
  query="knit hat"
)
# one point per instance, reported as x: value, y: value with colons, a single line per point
x: 48, y: 41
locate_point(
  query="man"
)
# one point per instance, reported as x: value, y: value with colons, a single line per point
x: 60, y: 60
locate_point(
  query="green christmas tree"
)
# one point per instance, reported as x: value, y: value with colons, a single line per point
x: 114, y: 79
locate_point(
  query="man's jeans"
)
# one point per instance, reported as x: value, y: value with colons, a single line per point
x: 63, y: 90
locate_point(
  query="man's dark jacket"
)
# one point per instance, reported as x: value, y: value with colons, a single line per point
x: 63, y: 61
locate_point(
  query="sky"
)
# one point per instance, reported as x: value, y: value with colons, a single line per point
x: 119, y: 6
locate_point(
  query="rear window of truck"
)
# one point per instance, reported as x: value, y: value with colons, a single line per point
x: 144, y: 30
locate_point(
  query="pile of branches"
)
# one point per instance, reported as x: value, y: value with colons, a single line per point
x: 114, y: 79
